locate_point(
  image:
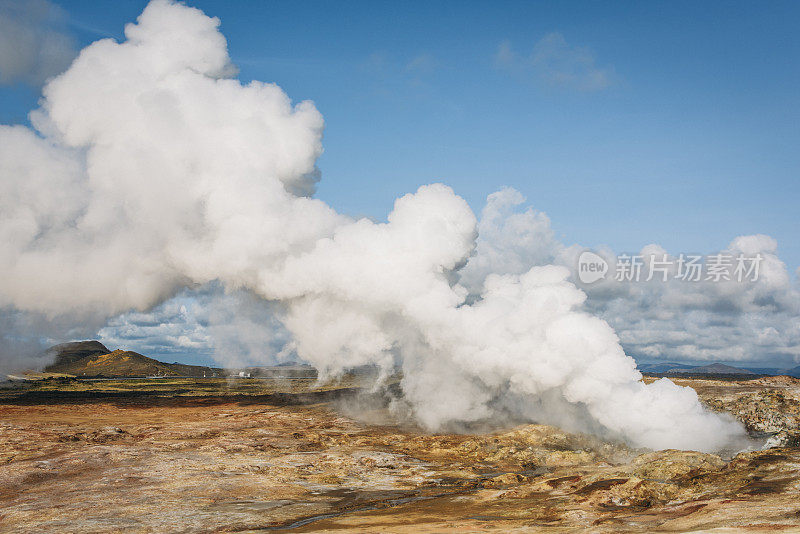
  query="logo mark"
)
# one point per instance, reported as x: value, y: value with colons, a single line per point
x: 591, y: 267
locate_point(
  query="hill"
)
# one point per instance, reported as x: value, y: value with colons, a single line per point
x: 114, y: 364
x: 712, y: 369
x: 656, y: 368
x: 67, y: 353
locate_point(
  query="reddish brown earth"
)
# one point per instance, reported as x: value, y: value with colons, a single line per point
x: 204, y: 463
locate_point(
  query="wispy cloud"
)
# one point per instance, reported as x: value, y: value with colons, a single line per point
x: 421, y: 64
x: 424, y: 63
x: 394, y: 74
x: 556, y: 63
x: 34, y: 45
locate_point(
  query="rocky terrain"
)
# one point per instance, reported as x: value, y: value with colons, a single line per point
x: 249, y: 456
x: 766, y: 405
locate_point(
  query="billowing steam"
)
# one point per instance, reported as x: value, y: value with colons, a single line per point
x: 153, y: 170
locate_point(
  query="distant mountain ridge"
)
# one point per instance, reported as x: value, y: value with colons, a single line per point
x: 794, y: 371
x: 716, y: 368
x: 93, y: 359
x: 658, y: 368
x: 713, y: 369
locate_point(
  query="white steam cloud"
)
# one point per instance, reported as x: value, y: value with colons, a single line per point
x: 152, y: 170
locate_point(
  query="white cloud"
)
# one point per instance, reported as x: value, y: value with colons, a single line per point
x: 234, y: 328
x: 674, y: 320
x: 556, y: 63
x: 747, y: 321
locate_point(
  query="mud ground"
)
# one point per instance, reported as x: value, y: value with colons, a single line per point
x: 127, y: 457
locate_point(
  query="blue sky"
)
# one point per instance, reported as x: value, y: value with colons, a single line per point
x: 689, y: 139
x: 627, y: 123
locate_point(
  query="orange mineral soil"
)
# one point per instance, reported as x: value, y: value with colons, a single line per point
x: 175, y: 457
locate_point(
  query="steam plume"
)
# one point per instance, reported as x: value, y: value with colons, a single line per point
x: 153, y: 170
